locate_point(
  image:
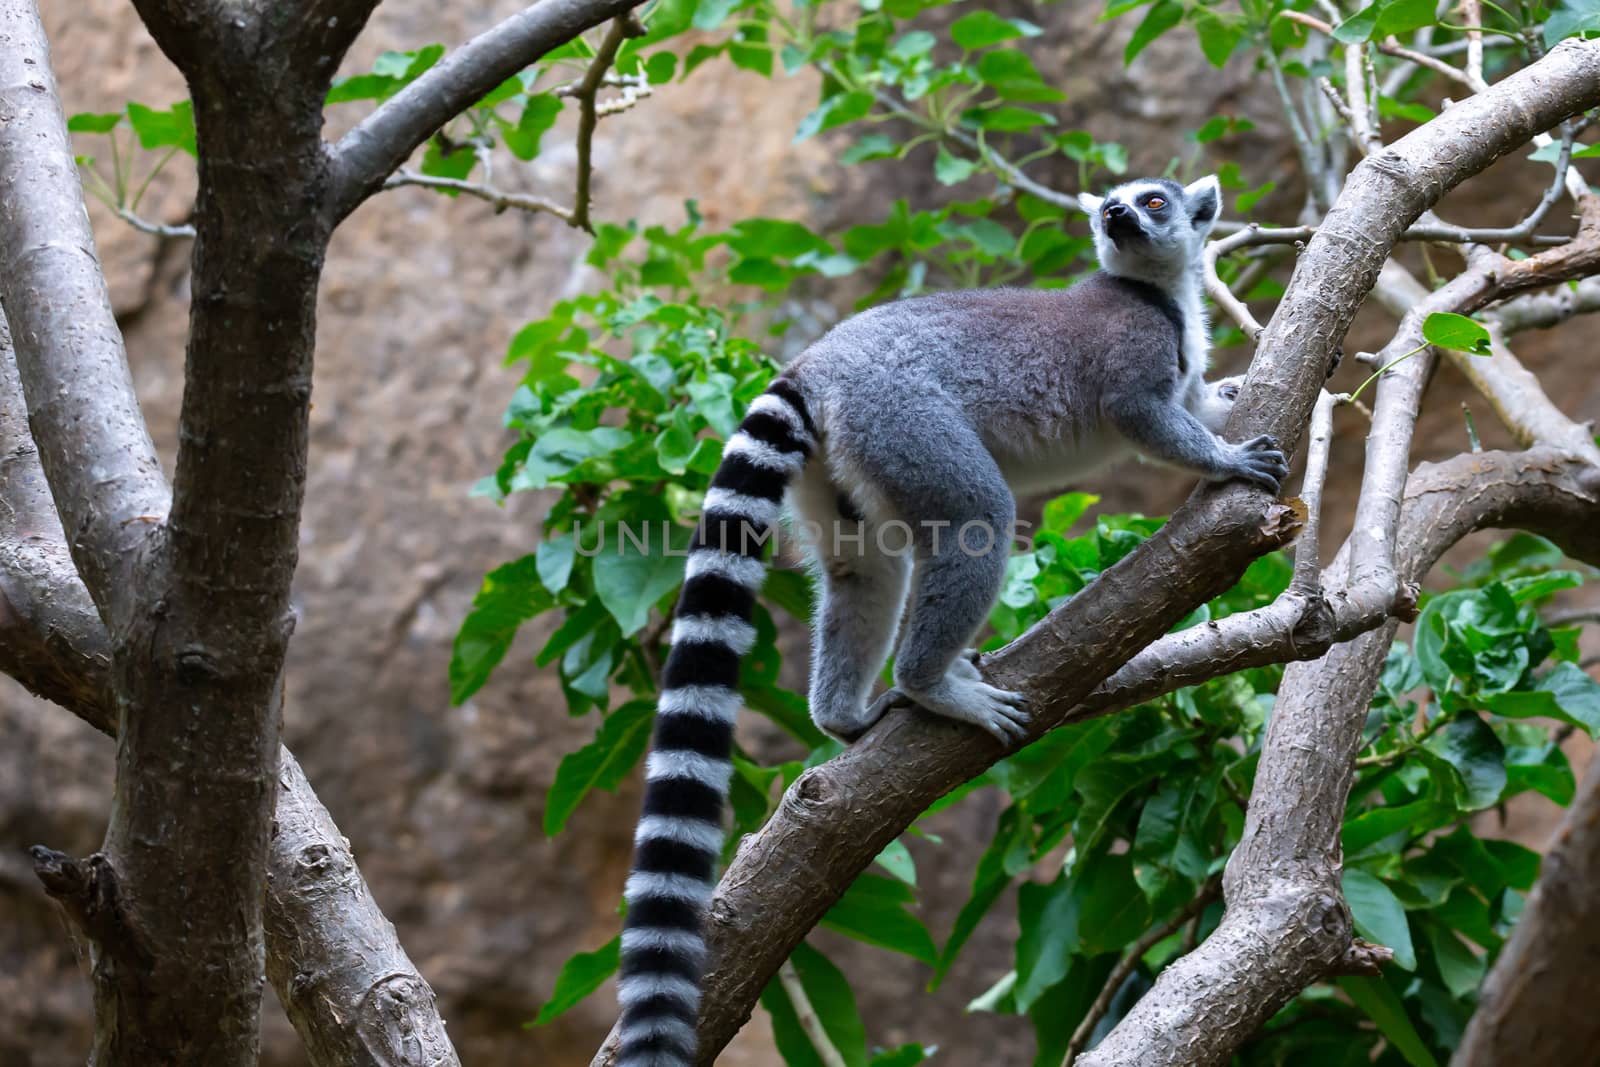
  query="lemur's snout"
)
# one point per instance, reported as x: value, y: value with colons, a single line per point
x: 1120, y: 220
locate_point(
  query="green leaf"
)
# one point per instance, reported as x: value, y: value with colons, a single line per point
x: 1010, y: 840
x: 1446, y: 329
x: 554, y: 561
x: 1100, y: 908
x: 555, y: 453
x: 1571, y: 18
x: 1566, y: 693
x: 601, y: 764
x: 1012, y: 74
x: 94, y: 122
x: 1062, y: 512
x: 1005, y: 119
x: 831, y: 998
x: 775, y: 238
x: 1358, y: 27
x: 1478, y: 756
x: 983, y: 28
x: 1383, y: 1006
x: 1403, y: 16
x: 873, y: 910
x: 538, y: 115
x: 173, y: 127
x: 1160, y: 18
x: 1379, y: 916
x: 951, y: 169
x: 633, y: 574
x: 1461, y: 968
x: 1370, y: 827
x: 510, y: 595
x: 709, y: 14
x: 1218, y: 37
x: 580, y: 976
x: 896, y: 859
x: 835, y: 111
x: 871, y: 146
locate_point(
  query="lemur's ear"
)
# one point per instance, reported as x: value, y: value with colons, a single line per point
x: 1090, y: 203
x: 1205, y: 201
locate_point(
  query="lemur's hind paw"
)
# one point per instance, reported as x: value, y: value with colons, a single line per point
x: 1001, y: 712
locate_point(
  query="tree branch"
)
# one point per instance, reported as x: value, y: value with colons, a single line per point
x: 1125, y: 966
x: 588, y: 117
x: 339, y: 970
x: 1511, y: 389
x: 366, y: 156
x: 1530, y: 1009
x: 836, y: 817
x: 68, y: 348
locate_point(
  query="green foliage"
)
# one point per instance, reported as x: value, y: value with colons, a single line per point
x: 1110, y: 828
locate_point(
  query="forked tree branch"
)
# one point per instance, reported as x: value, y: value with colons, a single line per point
x: 351, y: 992
x: 838, y: 816
x: 68, y: 347
x: 1286, y: 925
x: 366, y: 156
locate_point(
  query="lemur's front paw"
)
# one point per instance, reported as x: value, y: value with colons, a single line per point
x: 1260, y: 462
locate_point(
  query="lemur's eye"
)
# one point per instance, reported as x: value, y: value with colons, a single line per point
x: 1155, y: 203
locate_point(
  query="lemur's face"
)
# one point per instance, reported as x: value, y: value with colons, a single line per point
x: 1151, y: 223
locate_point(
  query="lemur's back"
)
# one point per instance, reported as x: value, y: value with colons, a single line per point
x: 1013, y: 360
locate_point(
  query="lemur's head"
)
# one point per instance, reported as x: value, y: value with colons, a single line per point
x: 1152, y: 229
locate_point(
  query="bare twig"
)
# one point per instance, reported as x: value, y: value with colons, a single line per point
x: 366, y: 156
x: 499, y: 198
x: 1512, y: 391
x: 1472, y: 12
x: 621, y: 28
x: 821, y: 1043
x: 1390, y: 48
x: 1440, y: 231
x: 1307, y: 580
x: 1541, y: 311
x: 155, y: 229
x: 1119, y: 974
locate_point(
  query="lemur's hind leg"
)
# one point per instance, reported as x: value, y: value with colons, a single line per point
x: 862, y: 591
x: 934, y: 473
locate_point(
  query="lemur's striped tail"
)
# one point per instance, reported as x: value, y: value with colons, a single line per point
x: 680, y: 834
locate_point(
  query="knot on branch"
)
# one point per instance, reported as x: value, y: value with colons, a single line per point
x: 1282, y: 520
x: 87, y: 889
x: 1406, y: 595
x: 398, y: 1025
x: 1362, y: 959
x: 812, y: 790
x: 1315, y: 626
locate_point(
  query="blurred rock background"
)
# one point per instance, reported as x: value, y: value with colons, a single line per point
x: 444, y: 805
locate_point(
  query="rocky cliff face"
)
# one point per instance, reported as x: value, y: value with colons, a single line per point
x: 442, y: 804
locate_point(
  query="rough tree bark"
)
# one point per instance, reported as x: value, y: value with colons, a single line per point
x: 344, y: 980
x: 838, y: 816
x: 192, y: 586
x: 1536, y: 1006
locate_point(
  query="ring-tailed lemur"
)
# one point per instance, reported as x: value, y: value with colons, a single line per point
x: 929, y: 413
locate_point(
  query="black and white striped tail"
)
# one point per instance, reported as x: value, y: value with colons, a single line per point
x: 680, y: 834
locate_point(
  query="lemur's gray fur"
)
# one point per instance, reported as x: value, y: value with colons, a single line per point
x: 939, y: 409
x: 926, y: 415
